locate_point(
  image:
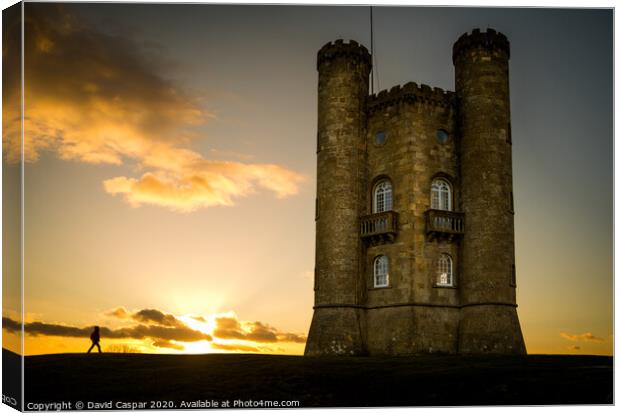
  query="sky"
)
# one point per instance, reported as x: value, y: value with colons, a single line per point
x: 170, y: 169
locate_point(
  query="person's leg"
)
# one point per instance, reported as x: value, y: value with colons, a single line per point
x: 91, y: 347
x: 98, y: 347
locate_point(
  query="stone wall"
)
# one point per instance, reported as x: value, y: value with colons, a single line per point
x: 411, y: 157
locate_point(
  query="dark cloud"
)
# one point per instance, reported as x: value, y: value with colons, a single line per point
x: 11, y: 83
x: 11, y: 325
x: 262, y: 333
x: 107, y: 78
x: 168, y: 344
x: 139, y: 332
x: 199, y: 318
x: 165, y: 330
x: 157, y: 317
x: 231, y: 328
x: 228, y: 328
x: 97, y: 98
x: 292, y: 337
x: 38, y: 328
x: 147, y: 316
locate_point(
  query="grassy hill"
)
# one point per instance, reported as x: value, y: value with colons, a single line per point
x: 429, y: 380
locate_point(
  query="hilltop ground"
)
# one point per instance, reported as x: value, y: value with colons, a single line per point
x: 432, y: 380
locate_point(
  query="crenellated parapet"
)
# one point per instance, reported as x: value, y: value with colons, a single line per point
x: 489, y: 40
x: 339, y: 48
x: 410, y: 92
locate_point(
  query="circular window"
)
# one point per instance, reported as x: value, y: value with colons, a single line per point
x: 442, y: 136
x: 380, y: 138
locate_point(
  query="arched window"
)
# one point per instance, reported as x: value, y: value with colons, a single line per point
x: 441, y: 195
x: 382, y: 197
x: 444, y: 270
x: 381, y: 271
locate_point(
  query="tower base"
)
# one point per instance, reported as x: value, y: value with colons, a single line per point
x: 335, y: 331
x: 490, y: 329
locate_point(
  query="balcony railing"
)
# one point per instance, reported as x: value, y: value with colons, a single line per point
x: 382, y: 226
x: 444, y: 223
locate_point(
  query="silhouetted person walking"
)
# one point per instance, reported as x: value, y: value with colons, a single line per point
x: 94, y: 337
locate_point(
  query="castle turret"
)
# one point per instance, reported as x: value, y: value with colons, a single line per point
x: 343, y: 90
x: 489, y: 321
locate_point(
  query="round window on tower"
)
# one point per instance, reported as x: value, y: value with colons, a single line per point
x: 380, y: 138
x: 442, y: 136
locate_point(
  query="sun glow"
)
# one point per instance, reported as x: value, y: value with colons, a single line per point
x: 155, y: 331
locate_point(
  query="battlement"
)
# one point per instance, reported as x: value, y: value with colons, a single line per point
x: 410, y: 92
x: 339, y: 48
x: 491, y: 40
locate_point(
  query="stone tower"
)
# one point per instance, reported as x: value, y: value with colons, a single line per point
x: 489, y: 319
x: 343, y: 90
x: 414, y: 210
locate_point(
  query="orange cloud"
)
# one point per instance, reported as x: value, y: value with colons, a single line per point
x: 139, y: 331
x: 157, y: 328
x: 203, y: 184
x: 91, y: 97
x: 231, y: 328
x: 168, y: 344
x: 95, y: 98
x: 292, y: 337
x: 119, y: 312
x: 157, y: 317
x: 582, y: 337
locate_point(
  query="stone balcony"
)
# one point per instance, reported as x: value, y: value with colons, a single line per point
x: 380, y: 227
x: 444, y: 224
